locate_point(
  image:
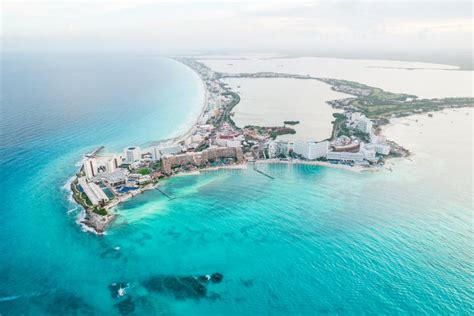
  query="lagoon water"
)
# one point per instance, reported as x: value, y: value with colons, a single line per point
x: 270, y: 102
x: 425, y: 80
x: 313, y: 241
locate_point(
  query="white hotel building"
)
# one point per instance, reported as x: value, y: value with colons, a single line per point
x: 90, y: 168
x: 311, y: 150
x: 365, y: 125
x: 132, y: 154
x: 365, y: 154
x: 113, y: 163
x: 94, y: 192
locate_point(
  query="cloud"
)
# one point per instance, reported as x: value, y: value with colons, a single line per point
x: 74, y: 24
x: 441, y: 26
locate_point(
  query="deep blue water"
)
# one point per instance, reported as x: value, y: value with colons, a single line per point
x: 312, y: 241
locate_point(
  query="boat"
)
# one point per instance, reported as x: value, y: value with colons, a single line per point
x: 121, y: 291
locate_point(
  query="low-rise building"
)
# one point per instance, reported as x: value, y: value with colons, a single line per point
x: 171, y: 150
x: 115, y: 178
x: 233, y: 143
x: 381, y: 149
x: 363, y: 156
x: 369, y: 154
x: 378, y: 139
x: 345, y: 156
x: 139, y: 178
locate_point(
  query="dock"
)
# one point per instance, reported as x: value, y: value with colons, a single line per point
x: 95, y: 152
x: 263, y: 173
x: 165, y: 194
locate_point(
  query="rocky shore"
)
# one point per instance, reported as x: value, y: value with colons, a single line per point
x: 98, y: 223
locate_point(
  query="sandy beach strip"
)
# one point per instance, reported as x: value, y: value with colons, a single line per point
x: 317, y: 163
x: 176, y: 140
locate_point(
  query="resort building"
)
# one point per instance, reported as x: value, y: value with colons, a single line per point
x: 365, y: 154
x: 90, y: 168
x: 311, y: 150
x: 155, y: 153
x: 93, y: 192
x: 369, y: 153
x: 229, y: 140
x: 201, y: 158
x: 233, y: 143
x: 277, y: 149
x: 365, y: 125
x: 113, y: 163
x: 139, y: 179
x: 381, y: 149
x: 378, y: 139
x: 346, y: 156
x: 115, y: 178
x: 354, y: 117
x: 272, y: 149
x: 379, y: 144
x: 132, y: 154
x: 172, y: 150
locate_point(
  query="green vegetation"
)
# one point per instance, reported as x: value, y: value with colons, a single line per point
x: 273, y: 132
x: 375, y: 109
x: 281, y: 131
x: 339, y: 125
x: 203, y: 146
x: 291, y: 122
x: 339, y: 117
x: 226, y: 115
x: 80, y: 197
x: 86, y: 199
x: 100, y: 211
x: 375, y: 102
x: 258, y: 129
x: 144, y: 171
x: 361, y: 135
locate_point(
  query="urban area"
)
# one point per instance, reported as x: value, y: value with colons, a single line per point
x: 215, y: 142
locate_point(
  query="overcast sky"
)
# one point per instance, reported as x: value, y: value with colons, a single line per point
x: 187, y: 26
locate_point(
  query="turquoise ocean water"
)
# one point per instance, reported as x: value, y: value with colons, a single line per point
x: 312, y: 241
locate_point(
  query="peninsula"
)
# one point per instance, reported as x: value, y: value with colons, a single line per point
x: 215, y: 141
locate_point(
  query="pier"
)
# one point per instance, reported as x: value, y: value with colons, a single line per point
x: 165, y: 194
x: 95, y: 152
x: 263, y: 173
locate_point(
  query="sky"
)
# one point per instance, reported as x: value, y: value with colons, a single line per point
x: 178, y: 26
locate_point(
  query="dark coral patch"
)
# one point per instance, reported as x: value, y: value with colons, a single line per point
x: 217, y: 277
x: 126, y: 306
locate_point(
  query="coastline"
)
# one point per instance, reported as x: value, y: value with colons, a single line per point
x: 318, y: 163
x: 99, y: 223
x: 177, y: 139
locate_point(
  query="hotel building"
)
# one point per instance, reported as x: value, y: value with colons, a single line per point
x: 311, y: 150
x: 132, y: 154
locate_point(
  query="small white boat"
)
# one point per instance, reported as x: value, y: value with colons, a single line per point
x: 121, y: 291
